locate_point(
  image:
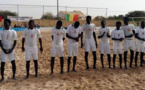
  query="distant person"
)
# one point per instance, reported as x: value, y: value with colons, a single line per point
x: 129, y: 31
x: 73, y: 33
x: 31, y: 46
x: 90, y: 40
x: 39, y: 25
x: 22, y: 26
x: 140, y: 43
x: 7, y: 36
x: 2, y: 26
x: 15, y: 26
x: 58, y: 36
x: 117, y: 37
x: 104, y: 35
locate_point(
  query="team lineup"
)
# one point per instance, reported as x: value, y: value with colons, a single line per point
x: 74, y: 33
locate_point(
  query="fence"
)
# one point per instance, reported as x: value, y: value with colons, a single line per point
x: 36, y: 11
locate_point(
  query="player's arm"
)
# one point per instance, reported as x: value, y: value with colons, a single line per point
x: 136, y: 36
x: 129, y: 36
x: 40, y: 40
x: 23, y: 42
x: 101, y: 35
x: 81, y: 39
x: 4, y: 50
x: 94, y: 35
x: 108, y: 34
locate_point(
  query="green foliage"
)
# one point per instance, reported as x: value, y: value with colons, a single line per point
x: 4, y: 14
x: 49, y: 16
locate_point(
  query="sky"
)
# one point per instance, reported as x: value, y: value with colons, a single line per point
x: 115, y: 7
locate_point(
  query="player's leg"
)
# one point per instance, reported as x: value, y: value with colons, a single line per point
x: 36, y: 67
x: 68, y: 63
x: 27, y: 68
x: 94, y: 58
x: 125, y: 59
x: 109, y: 60
x: 13, y: 68
x: 141, y: 59
x: 74, y: 63
x: 102, y: 60
x: 131, y: 57
x: 52, y: 64
x: 61, y: 64
x: 2, y: 70
x: 86, y: 59
x: 114, y: 57
x: 120, y: 60
x: 136, y: 58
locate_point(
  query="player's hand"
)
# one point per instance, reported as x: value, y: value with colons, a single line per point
x: 82, y: 45
x: 41, y: 49
x: 121, y: 39
x: 10, y: 51
x: 5, y: 51
x: 77, y: 39
x: 23, y: 49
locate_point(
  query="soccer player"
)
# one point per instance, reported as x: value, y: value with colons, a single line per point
x: 129, y: 31
x: 31, y: 35
x: 140, y: 41
x: 90, y: 40
x: 7, y: 36
x: 58, y: 36
x: 117, y: 37
x: 73, y: 33
x: 104, y: 35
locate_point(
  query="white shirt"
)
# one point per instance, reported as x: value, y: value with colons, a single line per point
x: 7, y: 37
x: 88, y: 29
x: 31, y: 37
x: 58, y: 35
x: 128, y: 30
x: 117, y: 34
x: 100, y: 33
x: 141, y: 34
x: 73, y: 32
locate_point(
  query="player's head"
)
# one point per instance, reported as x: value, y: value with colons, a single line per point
x: 88, y: 19
x: 142, y: 24
x: 126, y: 19
x: 76, y: 24
x: 59, y: 24
x: 103, y: 23
x: 31, y: 24
x: 7, y: 24
x: 118, y: 24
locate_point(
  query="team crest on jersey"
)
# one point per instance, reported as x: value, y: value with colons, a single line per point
x: 31, y: 35
x: 118, y: 35
x: 128, y: 30
x: 142, y: 33
x: 89, y: 29
x: 57, y: 34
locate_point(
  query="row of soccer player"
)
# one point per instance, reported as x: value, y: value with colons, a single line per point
x: 73, y: 32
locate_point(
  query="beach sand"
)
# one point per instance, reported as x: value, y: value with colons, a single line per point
x: 99, y: 79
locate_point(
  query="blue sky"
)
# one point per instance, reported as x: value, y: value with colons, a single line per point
x: 115, y: 7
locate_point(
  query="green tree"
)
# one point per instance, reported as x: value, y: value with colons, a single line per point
x: 4, y: 14
x: 48, y: 15
x: 136, y: 14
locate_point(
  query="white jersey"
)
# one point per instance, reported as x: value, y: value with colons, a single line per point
x: 100, y: 33
x: 31, y: 37
x: 117, y: 34
x: 88, y: 29
x: 73, y: 32
x: 128, y: 30
x: 58, y: 35
x: 7, y: 37
x: 141, y: 34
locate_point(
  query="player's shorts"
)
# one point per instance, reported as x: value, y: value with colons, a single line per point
x: 31, y: 52
x: 140, y: 47
x: 104, y: 48
x: 57, y: 49
x: 89, y: 44
x: 117, y: 51
x: 128, y: 44
x: 5, y: 57
x: 72, y: 49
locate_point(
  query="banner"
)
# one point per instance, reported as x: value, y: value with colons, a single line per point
x: 72, y: 17
x: 19, y: 19
x: 0, y: 18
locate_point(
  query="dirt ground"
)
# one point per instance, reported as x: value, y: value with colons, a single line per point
x: 99, y: 79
